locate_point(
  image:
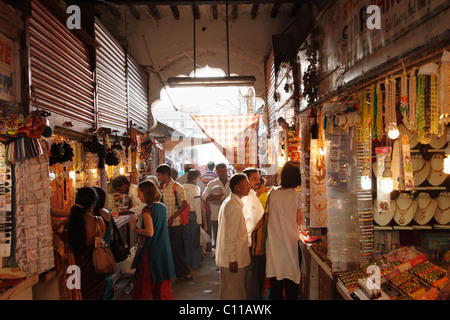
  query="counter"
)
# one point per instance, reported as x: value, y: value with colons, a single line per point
x: 22, y: 290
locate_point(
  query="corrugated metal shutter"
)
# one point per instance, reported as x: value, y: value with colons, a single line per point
x: 270, y: 85
x: 60, y: 70
x: 137, y: 95
x: 111, y: 81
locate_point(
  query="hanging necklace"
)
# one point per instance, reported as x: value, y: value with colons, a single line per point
x: 424, y: 209
x: 319, y: 207
x: 434, y: 108
x: 403, y: 212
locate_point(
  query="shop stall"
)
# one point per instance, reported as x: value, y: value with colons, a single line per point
x: 373, y: 148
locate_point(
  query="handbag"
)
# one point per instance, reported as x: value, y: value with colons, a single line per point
x: 125, y: 265
x: 102, y: 257
x: 139, y: 252
x: 119, y: 248
x: 204, y: 237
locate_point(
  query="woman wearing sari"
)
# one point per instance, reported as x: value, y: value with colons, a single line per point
x: 155, y: 268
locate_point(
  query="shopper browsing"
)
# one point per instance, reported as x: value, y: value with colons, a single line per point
x: 172, y: 193
x: 81, y: 232
x: 282, y: 251
x: 233, y: 255
x: 101, y: 211
x: 255, y: 275
x: 123, y: 185
x: 191, y: 231
x: 155, y: 267
x: 216, y: 191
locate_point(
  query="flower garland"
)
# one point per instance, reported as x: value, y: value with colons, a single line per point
x: 14, y: 126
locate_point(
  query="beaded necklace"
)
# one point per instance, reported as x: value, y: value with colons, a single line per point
x: 412, y: 100
x: 380, y: 110
x: 434, y: 108
x: 420, y: 114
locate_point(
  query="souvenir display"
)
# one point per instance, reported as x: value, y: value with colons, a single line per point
x: 426, y: 207
x: 436, y: 176
x: 421, y: 169
x: 6, y: 216
x: 405, y: 274
x: 383, y: 217
x: 442, y: 214
x: 406, y: 208
x: 34, y: 247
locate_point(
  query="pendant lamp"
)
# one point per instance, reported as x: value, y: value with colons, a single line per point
x: 228, y: 80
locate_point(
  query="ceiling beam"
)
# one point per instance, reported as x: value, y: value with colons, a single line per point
x: 234, y: 12
x: 135, y: 12
x: 189, y: 2
x: 154, y: 12
x: 175, y: 12
x: 274, y: 12
x: 195, y: 11
x: 214, y: 11
x: 254, y: 11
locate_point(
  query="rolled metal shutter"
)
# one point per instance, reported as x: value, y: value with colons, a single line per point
x: 137, y: 96
x: 60, y: 70
x: 111, y: 82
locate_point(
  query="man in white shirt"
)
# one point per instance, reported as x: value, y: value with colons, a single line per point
x: 232, y: 256
x: 216, y: 200
x: 122, y: 184
x: 253, y: 211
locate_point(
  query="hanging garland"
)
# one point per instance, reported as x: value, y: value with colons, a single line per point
x: 310, y: 77
x: 14, y: 126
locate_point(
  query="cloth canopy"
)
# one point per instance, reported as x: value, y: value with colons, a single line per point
x: 236, y: 136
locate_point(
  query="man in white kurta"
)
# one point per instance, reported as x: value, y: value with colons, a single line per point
x: 232, y: 254
x: 255, y: 274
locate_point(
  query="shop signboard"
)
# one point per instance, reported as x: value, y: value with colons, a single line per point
x: 7, y: 71
x: 360, y: 36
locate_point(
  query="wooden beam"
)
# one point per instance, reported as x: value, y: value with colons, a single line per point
x: 234, y: 12
x: 189, y: 2
x: 135, y: 12
x: 254, y: 11
x: 214, y: 11
x: 154, y: 12
x: 195, y: 11
x: 295, y: 10
x: 274, y: 12
x: 175, y: 12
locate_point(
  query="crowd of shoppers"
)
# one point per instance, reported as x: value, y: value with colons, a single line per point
x: 227, y: 208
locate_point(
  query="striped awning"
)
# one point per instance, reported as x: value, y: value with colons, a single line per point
x: 236, y: 136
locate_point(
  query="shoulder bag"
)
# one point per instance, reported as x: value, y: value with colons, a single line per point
x: 102, y: 257
x: 119, y: 248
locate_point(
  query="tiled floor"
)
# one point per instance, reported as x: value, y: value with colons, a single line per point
x: 205, y: 285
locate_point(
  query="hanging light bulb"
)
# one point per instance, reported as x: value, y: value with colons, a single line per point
x: 122, y: 170
x: 366, y: 181
x: 392, y: 131
x: 387, y: 183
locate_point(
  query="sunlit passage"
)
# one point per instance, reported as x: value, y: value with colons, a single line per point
x: 176, y: 106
